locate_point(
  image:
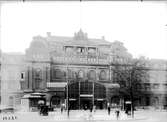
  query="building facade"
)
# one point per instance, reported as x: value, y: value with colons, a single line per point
x: 78, y: 70
x: 12, y: 64
x: 155, y: 86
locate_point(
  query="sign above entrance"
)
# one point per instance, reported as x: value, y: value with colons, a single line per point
x: 59, y: 85
x: 128, y: 102
x: 100, y: 99
x: 86, y: 95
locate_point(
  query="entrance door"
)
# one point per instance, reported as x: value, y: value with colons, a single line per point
x: 86, y: 104
x: 55, y: 101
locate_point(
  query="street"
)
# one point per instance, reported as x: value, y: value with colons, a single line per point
x: 82, y: 116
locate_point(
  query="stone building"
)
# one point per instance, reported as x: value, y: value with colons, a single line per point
x: 156, y: 84
x: 12, y: 64
x: 82, y: 64
x: 78, y: 68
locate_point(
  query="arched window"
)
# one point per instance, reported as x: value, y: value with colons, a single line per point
x: 103, y: 75
x: 38, y: 73
x: 156, y: 101
x: 55, y: 101
x: 11, y: 101
x: 81, y: 74
x: 71, y: 74
x: 92, y: 75
x: 58, y: 74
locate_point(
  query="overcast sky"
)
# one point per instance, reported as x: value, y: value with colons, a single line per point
x: 139, y: 25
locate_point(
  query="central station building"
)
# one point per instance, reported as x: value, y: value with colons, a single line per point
x: 80, y: 72
x: 82, y: 64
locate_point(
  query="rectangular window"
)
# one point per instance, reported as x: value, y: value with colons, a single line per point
x: 22, y: 75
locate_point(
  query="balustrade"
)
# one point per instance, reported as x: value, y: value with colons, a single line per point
x: 81, y: 58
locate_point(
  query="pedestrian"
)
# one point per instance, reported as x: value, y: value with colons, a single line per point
x: 108, y: 108
x: 126, y: 111
x: 94, y: 108
x: 61, y: 107
x: 91, y: 108
x: 117, y: 114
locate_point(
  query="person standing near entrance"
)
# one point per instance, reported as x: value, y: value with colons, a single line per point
x: 117, y: 113
x: 108, y: 108
x: 61, y: 107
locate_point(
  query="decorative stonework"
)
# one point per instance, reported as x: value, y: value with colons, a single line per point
x: 80, y: 35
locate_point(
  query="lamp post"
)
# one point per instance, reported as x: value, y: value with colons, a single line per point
x: 67, y: 99
x: 131, y: 94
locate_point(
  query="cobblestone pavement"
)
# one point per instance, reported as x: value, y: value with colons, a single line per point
x: 86, y: 116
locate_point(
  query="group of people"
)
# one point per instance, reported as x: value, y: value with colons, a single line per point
x: 44, y: 109
x: 117, y: 112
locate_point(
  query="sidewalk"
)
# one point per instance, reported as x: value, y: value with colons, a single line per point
x: 75, y: 115
x: 99, y: 115
x: 102, y: 115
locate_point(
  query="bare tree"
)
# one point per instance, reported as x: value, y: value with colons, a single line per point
x: 131, y: 76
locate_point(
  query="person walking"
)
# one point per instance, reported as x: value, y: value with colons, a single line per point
x: 108, y: 108
x: 117, y: 114
x: 94, y: 108
x: 61, y: 109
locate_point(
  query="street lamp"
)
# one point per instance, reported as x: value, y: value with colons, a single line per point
x: 67, y: 99
x: 131, y: 94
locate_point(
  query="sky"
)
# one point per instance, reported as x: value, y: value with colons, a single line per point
x: 141, y: 26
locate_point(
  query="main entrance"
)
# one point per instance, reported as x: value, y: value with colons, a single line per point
x: 84, y: 94
x: 86, y: 103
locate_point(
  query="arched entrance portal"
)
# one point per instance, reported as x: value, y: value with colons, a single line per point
x: 85, y: 94
x: 115, y: 101
x: 55, y: 101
